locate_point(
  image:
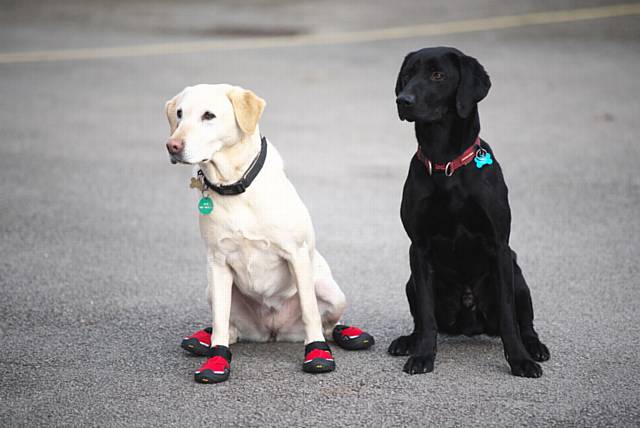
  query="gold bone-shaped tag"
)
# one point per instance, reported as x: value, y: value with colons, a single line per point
x: 195, y: 184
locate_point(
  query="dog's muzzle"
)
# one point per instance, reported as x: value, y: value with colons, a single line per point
x: 175, y: 147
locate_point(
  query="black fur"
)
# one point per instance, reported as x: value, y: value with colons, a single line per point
x: 464, y: 276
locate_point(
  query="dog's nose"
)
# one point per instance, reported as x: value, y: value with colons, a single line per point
x: 405, y: 100
x: 175, y: 146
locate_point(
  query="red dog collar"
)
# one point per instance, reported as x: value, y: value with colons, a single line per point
x: 450, y: 167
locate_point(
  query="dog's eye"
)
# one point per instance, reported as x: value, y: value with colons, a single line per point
x: 207, y: 115
x: 179, y: 113
x: 437, y: 76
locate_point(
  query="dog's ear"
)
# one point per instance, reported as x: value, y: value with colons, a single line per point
x: 170, y: 111
x: 473, y: 87
x: 248, y: 108
x: 399, y: 82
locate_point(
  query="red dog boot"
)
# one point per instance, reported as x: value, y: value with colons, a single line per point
x: 198, y: 343
x: 217, y: 368
x: 352, y: 338
x: 318, y: 358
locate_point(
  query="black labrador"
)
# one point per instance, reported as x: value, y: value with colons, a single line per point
x: 455, y: 209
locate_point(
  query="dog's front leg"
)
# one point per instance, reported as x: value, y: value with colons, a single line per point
x: 217, y: 368
x: 302, y: 268
x: 220, y: 284
x: 425, y: 333
x: 516, y: 354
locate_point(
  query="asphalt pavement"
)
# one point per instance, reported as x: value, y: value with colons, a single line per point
x: 102, y: 270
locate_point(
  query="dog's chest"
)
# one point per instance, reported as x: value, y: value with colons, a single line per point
x: 457, y: 230
x: 450, y: 211
x: 259, y: 270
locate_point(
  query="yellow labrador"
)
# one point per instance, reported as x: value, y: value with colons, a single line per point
x: 266, y: 280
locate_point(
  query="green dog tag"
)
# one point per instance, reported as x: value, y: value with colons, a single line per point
x: 205, y: 205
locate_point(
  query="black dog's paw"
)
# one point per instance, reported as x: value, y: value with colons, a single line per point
x: 403, y: 345
x: 525, y: 368
x: 537, y: 349
x: 418, y: 364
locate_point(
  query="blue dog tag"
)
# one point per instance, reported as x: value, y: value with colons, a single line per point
x: 483, y: 158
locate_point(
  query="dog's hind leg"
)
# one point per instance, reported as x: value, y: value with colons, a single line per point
x: 331, y: 300
x: 245, y: 322
x: 524, y: 309
x: 331, y: 305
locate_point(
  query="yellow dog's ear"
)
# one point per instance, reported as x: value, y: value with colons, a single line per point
x: 170, y: 111
x: 248, y: 108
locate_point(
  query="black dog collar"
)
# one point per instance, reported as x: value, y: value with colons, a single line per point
x: 241, y: 185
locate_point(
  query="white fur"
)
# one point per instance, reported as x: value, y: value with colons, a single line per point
x: 266, y: 280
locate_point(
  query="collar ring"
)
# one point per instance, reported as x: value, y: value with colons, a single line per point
x: 448, y: 169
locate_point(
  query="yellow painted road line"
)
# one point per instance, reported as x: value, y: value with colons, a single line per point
x: 393, y: 33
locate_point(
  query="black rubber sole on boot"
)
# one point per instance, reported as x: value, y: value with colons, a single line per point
x: 208, y: 376
x: 319, y: 365
x: 193, y: 345
x: 360, y: 343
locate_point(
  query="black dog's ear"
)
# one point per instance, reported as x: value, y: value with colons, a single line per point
x: 399, y: 83
x: 473, y: 87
